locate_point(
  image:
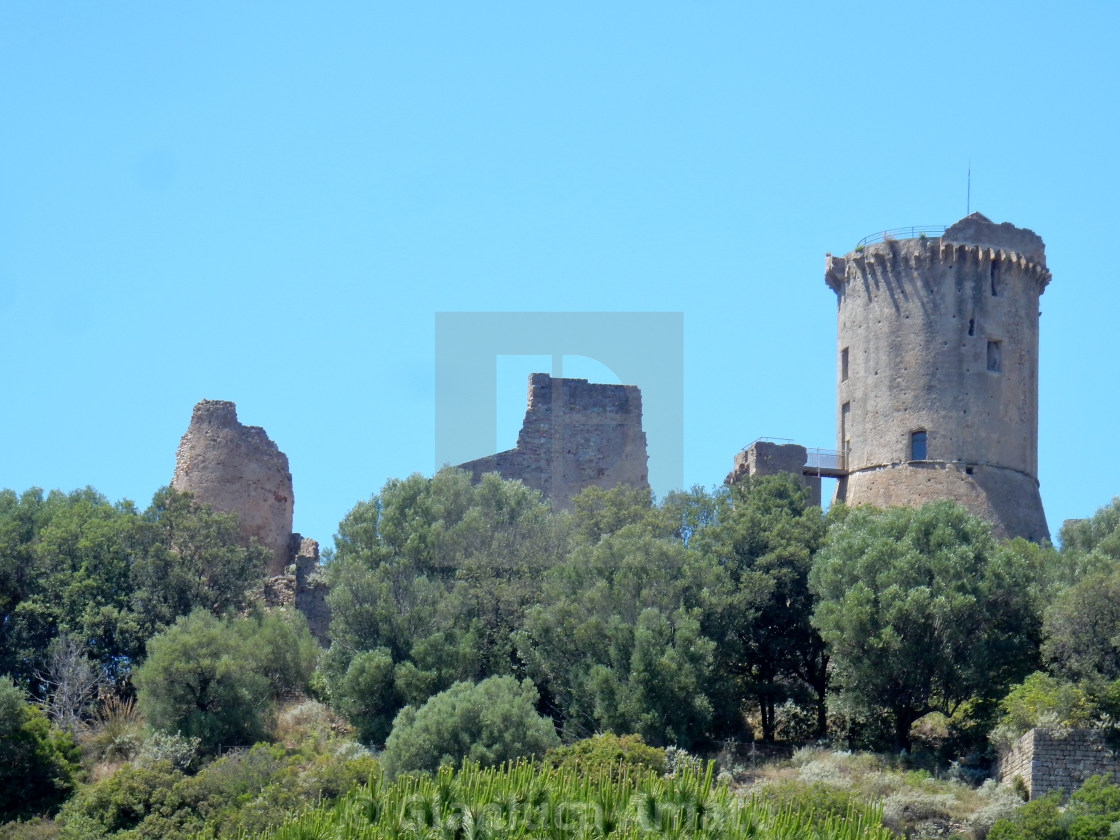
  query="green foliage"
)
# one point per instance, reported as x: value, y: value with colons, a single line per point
x: 191, y: 557
x: 215, y: 679
x: 922, y: 611
x: 1093, y: 813
x: 763, y: 535
x: 1041, y: 700
x: 65, y: 571
x: 76, y: 567
x: 616, y: 643
x: 522, y: 801
x: 488, y: 723
x: 116, y: 731
x: 247, y: 791
x: 37, y: 763
x: 1093, y: 544
x: 1082, y: 629
x: 429, y: 580
x: 611, y: 755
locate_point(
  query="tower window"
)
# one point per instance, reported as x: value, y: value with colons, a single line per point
x: 844, y: 365
x: 995, y: 278
x: 994, y: 356
x: 972, y: 326
x: 918, y: 445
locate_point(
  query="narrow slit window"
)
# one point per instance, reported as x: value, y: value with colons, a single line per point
x: 995, y: 278
x: 918, y: 445
x: 844, y: 365
x: 995, y: 356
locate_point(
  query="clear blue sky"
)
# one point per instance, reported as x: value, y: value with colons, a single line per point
x: 267, y: 203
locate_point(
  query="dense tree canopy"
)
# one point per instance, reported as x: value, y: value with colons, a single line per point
x: 37, y: 763
x: 75, y: 566
x: 921, y: 611
x: 428, y: 582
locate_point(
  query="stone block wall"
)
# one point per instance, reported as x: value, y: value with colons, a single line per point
x: 765, y: 457
x: 576, y: 434
x: 1052, y: 759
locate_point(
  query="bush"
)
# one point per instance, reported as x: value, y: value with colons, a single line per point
x: 1041, y: 700
x: 37, y: 763
x: 1036, y: 820
x: 244, y: 793
x: 489, y: 722
x: 609, y: 755
x: 216, y: 679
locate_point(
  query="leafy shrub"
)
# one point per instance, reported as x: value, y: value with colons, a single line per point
x: 245, y: 792
x: 816, y: 798
x: 1041, y: 700
x: 216, y: 679
x: 1036, y: 820
x: 609, y: 755
x: 489, y: 722
x: 159, y: 746
x: 37, y: 763
x: 36, y: 828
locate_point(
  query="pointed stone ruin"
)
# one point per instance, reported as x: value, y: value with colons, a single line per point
x: 238, y: 469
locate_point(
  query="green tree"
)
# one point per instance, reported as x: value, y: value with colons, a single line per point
x: 615, y: 642
x: 1082, y: 630
x: 37, y: 763
x: 763, y: 534
x: 215, y: 678
x: 428, y: 582
x: 1093, y: 545
x: 65, y: 572
x: 189, y: 556
x: 1041, y: 700
x: 489, y: 722
x: 922, y: 611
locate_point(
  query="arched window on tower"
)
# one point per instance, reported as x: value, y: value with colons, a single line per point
x: 918, y: 445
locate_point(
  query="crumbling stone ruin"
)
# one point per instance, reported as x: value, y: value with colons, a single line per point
x: 575, y: 435
x: 238, y: 469
x: 1052, y: 759
x: 937, y: 371
x: 764, y: 457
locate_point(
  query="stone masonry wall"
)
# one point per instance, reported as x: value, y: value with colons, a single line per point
x: 575, y: 434
x: 765, y: 457
x: 1049, y: 759
x: 939, y: 336
x: 237, y: 469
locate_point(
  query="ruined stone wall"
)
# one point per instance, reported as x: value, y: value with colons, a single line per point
x: 765, y: 457
x: 1046, y: 759
x: 575, y: 434
x: 236, y: 468
x: 941, y: 336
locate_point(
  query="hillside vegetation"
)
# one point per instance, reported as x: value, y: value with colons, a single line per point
x: 471, y: 622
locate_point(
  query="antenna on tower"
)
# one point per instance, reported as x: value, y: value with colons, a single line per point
x: 968, y: 196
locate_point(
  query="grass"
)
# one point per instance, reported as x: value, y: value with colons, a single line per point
x: 915, y: 803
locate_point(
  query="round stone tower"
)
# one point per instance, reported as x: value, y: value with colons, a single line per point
x: 937, y: 379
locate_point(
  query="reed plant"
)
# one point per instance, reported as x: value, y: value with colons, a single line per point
x: 525, y: 800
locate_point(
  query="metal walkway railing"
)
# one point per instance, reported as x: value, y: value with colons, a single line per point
x: 917, y: 232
